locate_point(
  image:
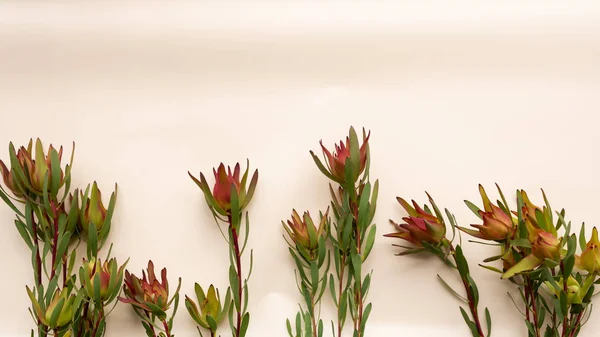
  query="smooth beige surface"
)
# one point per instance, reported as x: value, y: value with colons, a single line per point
x: 454, y: 94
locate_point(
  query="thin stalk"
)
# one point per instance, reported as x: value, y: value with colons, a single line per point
x: 312, y: 318
x: 55, y: 238
x: 533, y: 308
x: 238, y: 262
x: 577, y: 322
x: 38, y: 269
x: 470, y: 298
x: 358, y: 292
x: 566, y: 290
x: 166, y: 325
x: 358, y: 286
x: 97, y: 325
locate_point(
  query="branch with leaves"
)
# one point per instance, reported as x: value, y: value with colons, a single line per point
x: 227, y: 201
x: 555, y: 284
x: 352, y: 234
x: 307, y: 246
x: 52, y: 223
x: 426, y: 231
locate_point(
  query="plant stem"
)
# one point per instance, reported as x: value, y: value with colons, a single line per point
x: 312, y: 318
x: 470, y: 298
x: 533, y: 307
x: 55, y: 238
x: 38, y: 259
x: 358, y: 288
x: 577, y: 321
x: 236, y: 247
x: 166, y: 325
x: 566, y: 290
x: 97, y: 324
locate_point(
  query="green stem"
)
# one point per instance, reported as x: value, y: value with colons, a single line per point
x: 238, y: 262
x: 470, y: 298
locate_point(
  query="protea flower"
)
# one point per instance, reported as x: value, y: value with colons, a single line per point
x: 303, y: 232
x: 210, y: 311
x: 496, y: 226
x: 27, y: 173
x: 109, y: 274
x: 336, y: 161
x: 544, y: 245
x: 420, y: 226
x: 59, y: 311
x: 148, y: 293
x: 226, y: 181
x: 590, y: 257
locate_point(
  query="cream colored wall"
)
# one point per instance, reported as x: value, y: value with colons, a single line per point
x: 454, y: 94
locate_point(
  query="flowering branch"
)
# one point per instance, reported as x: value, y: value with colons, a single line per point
x: 227, y: 201
x: 426, y: 231
x: 353, y: 233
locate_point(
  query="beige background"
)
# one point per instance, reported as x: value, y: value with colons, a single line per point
x: 454, y: 94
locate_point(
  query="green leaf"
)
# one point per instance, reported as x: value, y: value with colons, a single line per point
x: 491, y: 268
x: 55, y: 177
x: 368, y: 245
x: 9, y: 203
x: 288, y: 325
x: 56, y: 312
x: 366, y: 283
x: 526, y: 264
x: 461, y: 262
x: 298, y: 325
x: 473, y: 208
x: 582, y: 242
x: 235, y: 208
x: 469, y: 323
x: 354, y: 154
x: 233, y: 282
x: 568, y: 264
x: 474, y: 290
x: 92, y: 242
x: 52, y: 285
x: 488, y: 322
x: 314, y: 272
x: 356, y: 266
x: 97, y: 298
x: 373, y: 204
x: 332, y: 289
x: 323, y: 169
x: 24, y: 233
x: 449, y: 288
x: 299, y: 264
x: 365, y: 317
x: 564, y: 304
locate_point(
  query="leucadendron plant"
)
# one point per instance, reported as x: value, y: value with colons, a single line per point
x: 150, y: 300
x: 229, y: 197
x: 352, y: 233
x: 52, y: 220
x: 425, y: 229
x: 307, y: 246
x: 538, y: 252
x: 209, y: 311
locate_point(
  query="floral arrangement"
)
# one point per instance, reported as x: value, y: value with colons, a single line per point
x: 553, y: 268
x: 537, y: 252
x: 53, y: 221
